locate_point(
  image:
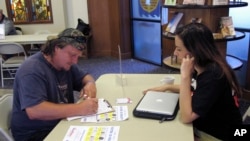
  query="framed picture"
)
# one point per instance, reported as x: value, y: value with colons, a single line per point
x: 30, y: 11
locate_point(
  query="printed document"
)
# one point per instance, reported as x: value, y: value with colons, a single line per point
x: 103, y: 107
x: 92, y: 133
x: 120, y: 114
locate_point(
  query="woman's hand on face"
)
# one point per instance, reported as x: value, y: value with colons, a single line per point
x: 187, y: 66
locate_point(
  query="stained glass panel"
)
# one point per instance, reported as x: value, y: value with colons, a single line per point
x: 19, y: 10
x: 41, y: 10
x: 29, y: 11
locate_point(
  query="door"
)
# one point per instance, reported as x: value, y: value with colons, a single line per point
x: 146, y: 30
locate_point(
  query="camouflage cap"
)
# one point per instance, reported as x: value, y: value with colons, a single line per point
x: 73, y: 37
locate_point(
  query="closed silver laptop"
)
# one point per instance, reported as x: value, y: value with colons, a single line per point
x: 158, y: 105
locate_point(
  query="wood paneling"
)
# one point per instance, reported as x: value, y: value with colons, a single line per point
x: 110, y: 23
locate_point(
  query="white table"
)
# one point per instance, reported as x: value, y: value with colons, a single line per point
x: 134, y: 129
x: 27, y: 38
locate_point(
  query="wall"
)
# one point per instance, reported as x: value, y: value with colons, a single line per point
x: 75, y: 9
x: 240, y: 48
x: 65, y: 14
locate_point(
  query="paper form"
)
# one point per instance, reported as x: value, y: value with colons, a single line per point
x: 120, y: 114
x: 103, y: 107
x: 92, y: 133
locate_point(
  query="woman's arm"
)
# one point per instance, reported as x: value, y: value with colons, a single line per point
x: 165, y: 87
x: 185, y: 100
x: 187, y: 114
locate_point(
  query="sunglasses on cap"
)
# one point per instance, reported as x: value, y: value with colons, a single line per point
x: 79, y: 39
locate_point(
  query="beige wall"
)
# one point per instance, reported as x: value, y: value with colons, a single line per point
x: 76, y: 9
x: 65, y: 14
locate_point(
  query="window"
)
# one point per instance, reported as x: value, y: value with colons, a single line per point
x: 29, y: 11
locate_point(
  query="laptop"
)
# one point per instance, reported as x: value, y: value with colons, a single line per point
x: 157, y: 105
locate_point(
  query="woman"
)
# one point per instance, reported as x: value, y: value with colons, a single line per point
x: 208, y: 88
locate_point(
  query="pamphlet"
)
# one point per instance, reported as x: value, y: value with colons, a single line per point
x: 170, y: 2
x: 220, y: 2
x: 92, y: 133
x: 227, y: 27
x: 120, y: 114
x: 103, y: 107
x: 194, y: 2
x: 172, y: 25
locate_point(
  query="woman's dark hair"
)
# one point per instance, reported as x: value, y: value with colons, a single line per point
x: 198, y: 40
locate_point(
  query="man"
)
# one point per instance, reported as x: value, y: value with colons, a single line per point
x: 44, y: 84
x: 8, y: 24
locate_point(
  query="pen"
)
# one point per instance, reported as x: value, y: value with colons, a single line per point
x: 109, y: 105
x: 82, y: 98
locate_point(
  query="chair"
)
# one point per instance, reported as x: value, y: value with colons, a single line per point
x: 5, y: 110
x: 13, y: 55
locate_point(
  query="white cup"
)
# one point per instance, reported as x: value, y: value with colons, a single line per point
x: 167, y: 80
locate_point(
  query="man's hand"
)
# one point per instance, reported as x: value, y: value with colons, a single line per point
x: 89, y: 89
x: 89, y: 106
